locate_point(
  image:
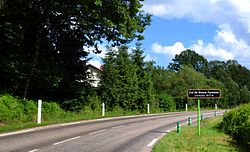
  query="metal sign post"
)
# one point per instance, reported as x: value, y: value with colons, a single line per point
x: 199, y: 116
x: 202, y: 94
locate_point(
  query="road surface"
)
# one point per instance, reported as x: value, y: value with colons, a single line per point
x: 120, y: 134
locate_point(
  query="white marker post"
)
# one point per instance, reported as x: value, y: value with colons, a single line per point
x: 39, y: 112
x: 103, y: 109
x: 148, y: 108
x: 215, y: 106
x: 186, y: 107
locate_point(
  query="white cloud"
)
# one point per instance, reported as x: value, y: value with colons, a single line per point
x: 158, y: 10
x: 208, y: 50
x: 177, y: 48
x: 211, y: 51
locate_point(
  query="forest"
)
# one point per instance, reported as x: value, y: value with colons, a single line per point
x: 43, y: 55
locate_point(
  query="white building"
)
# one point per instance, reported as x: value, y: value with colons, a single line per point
x: 93, y: 75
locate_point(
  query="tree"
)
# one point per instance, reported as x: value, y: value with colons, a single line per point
x: 239, y: 74
x: 119, y: 82
x: 219, y: 71
x: 161, y: 77
x: 198, y: 62
x: 144, y: 76
x: 127, y: 80
x: 43, y: 40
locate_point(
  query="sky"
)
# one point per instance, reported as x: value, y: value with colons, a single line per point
x: 216, y: 29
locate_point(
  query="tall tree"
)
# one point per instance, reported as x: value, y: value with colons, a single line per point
x: 198, y: 62
x: 44, y: 39
x: 239, y: 73
x: 119, y: 83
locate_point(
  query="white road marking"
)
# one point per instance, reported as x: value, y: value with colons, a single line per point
x: 66, y: 140
x: 102, y: 119
x: 66, y: 124
x: 14, y: 133
x: 33, y: 150
x: 118, y: 126
x: 168, y: 131
x: 152, y: 142
x: 98, y: 131
x: 164, y: 133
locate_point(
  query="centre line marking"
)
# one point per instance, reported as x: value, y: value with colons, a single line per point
x: 98, y: 131
x: 33, y: 150
x: 118, y: 126
x: 152, y: 142
x: 66, y: 140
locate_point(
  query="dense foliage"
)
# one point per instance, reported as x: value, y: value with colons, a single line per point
x: 126, y: 80
x: 176, y: 84
x: 231, y: 77
x: 236, y: 123
x: 43, y: 42
x: 130, y: 83
x: 16, y: 110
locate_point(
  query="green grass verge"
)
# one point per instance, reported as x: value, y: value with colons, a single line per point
x: 63, y: 117
x: 210, y: 140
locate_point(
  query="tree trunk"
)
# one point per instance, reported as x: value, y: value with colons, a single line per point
x: 34, y: 63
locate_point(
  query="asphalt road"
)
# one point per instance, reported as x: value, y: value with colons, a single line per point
x: 120, y: 134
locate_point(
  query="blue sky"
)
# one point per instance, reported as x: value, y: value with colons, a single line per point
x: 168, y: 32
x: 216, y: 29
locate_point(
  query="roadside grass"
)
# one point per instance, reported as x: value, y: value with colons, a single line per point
x: 210, y: 140
x: 51, y: 118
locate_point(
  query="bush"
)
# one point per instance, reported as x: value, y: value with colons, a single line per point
x: 236, y: 123
x: 73, y: 105
x: 10, y: 109
x: 15, y: 110
x: 166, y: 102
x: 29, y: 111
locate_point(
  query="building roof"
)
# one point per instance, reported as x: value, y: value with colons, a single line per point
x: 90, y: 66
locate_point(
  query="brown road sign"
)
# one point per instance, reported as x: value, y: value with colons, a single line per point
x: 203, y: 93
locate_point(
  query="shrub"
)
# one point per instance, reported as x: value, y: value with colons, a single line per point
x: 10, y: 109
x: 73, y: 105
x: 94, y: 102
x: 166, y: 102
x: 15, y: 110
x: 236, y: 123
x: 29, y: 111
